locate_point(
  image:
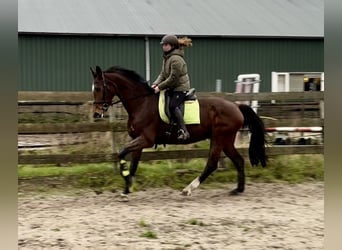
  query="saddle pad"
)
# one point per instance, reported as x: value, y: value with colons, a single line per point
x: 191, y: 110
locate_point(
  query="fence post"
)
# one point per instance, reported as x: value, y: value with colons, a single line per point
x: 111, y: 120
x: 218, y: 85
x: 90, y: 111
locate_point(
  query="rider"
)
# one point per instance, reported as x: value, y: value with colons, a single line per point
x: 174, y: 77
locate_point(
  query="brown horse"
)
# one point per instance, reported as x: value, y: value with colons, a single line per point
x: 220, y: 120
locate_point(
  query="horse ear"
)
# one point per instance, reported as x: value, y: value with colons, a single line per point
x: 98, y: 71
x: 92, y: 72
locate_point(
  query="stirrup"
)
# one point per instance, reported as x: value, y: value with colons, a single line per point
x: 183, y: 135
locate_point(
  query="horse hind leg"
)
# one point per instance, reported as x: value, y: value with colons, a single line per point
x: 211, y: 166
x: 192, y: 186
x: 239, y: 163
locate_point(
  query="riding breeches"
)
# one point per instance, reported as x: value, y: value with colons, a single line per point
x: 177, y: 98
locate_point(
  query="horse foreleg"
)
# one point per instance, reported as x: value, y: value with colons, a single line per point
x: 210, y: 167
x: 136, y: 155
x: 135, y: 146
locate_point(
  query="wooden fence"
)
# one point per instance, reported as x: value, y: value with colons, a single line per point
x: 295, y: 109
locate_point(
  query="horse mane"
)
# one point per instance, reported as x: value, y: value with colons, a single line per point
x: 131, y: 74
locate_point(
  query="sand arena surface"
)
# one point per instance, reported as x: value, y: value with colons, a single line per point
x: 266, y: 216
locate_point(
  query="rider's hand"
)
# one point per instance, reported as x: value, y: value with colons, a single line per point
x: 156, y: 89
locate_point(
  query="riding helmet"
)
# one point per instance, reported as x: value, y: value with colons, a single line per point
x: 170, y: 39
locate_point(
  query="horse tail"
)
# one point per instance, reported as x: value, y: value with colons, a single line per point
x: 257, y: 143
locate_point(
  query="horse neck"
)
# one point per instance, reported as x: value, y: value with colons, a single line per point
x: 133, y: 95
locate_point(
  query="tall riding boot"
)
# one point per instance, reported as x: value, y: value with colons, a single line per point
x: 183, y: 132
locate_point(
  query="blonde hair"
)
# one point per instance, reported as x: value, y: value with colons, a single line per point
x: 184, y: 42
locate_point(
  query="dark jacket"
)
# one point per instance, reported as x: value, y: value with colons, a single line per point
x: 174, y: 73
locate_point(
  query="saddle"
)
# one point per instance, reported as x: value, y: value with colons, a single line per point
x: 189, y: 108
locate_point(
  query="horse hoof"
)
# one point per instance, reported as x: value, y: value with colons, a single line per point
x: 186, y: 192
x: 124, y: 197
x: 235, y: 192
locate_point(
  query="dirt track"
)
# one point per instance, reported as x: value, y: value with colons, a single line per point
x: 266, y: 216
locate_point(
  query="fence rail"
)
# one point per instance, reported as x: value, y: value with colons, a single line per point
x: 121, y: 126
x: 74, y: 97
x: 303, y: 101
x: 161, y: 155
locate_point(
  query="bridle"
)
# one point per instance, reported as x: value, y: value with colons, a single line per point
x: 105, y: 104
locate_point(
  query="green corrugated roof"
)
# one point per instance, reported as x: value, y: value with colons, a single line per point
x: 262, y: 18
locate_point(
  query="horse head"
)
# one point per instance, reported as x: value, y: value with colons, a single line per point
x: 131, y: 89
x: 102, y: 93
